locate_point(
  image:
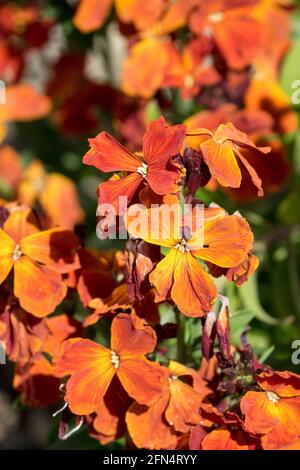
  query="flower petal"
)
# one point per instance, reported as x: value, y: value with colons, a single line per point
x: 226, y: 241
x: 7, y: 246
x: 162, y: 142
x: 108, y: 155
x: 157, y: 434
x: 143, y: 380
x: 111, y: 191
x: 56, y: 248
x: 38, y: 289
x: 222, y: 163
x: 131, y: 336
x: 91, y: 14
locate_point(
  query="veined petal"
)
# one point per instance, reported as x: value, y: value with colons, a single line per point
x: 193, y: 291
x: 108, y: 155
x: 163, y: 181
x: 143, y: 380
x: 226, y: 241
x: 7, y: 246
x: 38, y: 289
x: 20, y: 224
x: 131, y: 336
x: 157, y: 434
x: 162, y: 142
x: 92, y: 371
x: 86, y: 388
x: 222, y: 163
x: 162, y: 276
x: 56, y: 248
x: 111, y: 190
x: 183, y: 410
x: 159, y: 225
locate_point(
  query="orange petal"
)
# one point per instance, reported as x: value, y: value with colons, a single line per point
x: 56, y: 248
x: 11, y: 165
x: 108, y: 155
x: 91, y: 14
x: 7, y: 246
x: 222, y: 163
x: 159, y: 225
x: 285, y: 384
x: 131, y: 336
x: 143, y: 380
x: 144, y: 68
x: 157, y: 434
x: 183, y: 410
x: 162, y: 142
x: 91, y: 369
x: 239, y: 38
x: 180, y: 276
x: 59, y: 200
x: 24, y: 103
x: 227, y: 241
x: 111, y: 191
x: 21, y: 223
x: 267, y: 413
x: 225, y: 439
x: 38, y: 289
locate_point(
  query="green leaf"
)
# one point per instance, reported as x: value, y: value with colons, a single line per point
x: 266, y: 354
x: 289, y: 76
x: 249, y: 295
x: 239, y: 320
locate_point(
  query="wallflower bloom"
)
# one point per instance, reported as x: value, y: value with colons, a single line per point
x: 274, y: 412
x: 221, y: 239
x: 92, y: 366
x: 161, y: 142
x: 38, y: 258
x: 222, y: 149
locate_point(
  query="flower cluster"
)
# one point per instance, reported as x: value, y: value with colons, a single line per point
x: 137, y: 342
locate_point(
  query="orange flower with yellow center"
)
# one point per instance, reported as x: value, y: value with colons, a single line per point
x: 274, y: 411
x: 38, y: 260
x: 221, y: 239
x: 92, y: 366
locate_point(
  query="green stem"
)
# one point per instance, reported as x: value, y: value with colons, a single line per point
x: 181, y: 346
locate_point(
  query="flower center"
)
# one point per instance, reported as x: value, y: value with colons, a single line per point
x: 143, y: 170
x: 273, y: 397
x: 182, y: 246
x: 216, y: 17
x: 115, y: 359
x: 17, y: 253
x: 189, y: 81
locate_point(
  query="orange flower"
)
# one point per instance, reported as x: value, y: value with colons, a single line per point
x: 229, y: 435
x: 221, y: 150
x: 161, y: 142
x: 38, y: 259
x: 221, y: 239
x: 177, y: 410
x: 92, y: 366
x: 146, y: 66
x: 232, y: 25
x: 274, y: 412
x: 193, y: 69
